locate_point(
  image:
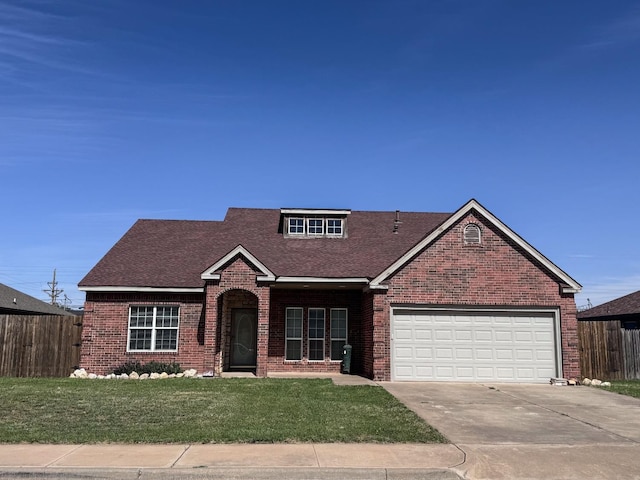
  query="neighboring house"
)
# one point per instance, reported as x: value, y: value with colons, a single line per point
x: 14, y: 302
x: 419, y: 296
x: 625, y: 309
x: 609, y: 337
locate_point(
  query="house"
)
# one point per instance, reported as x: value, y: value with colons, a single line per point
x: 609, y: 337
x: 419, y: 296
x: 625, y: 309
x: 14, y: 302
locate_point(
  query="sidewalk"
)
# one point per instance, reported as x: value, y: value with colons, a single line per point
x: 276, y: 461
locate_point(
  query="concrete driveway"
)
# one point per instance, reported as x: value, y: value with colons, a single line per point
x: 532, y: 431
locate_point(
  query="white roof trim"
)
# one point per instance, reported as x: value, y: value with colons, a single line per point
x: 321, y: 280
x: 570, y: 285
x: 143, y: 289
x: 313, y: 211
x: 209, y: 273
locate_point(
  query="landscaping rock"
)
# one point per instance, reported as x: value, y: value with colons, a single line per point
x: 595, y: 382
x: 134, y: 376
x: 154, y: 375
x: 92, y: 376
x: 191, y: 373
x: 164, y: 375
x: 144, y: 376
x: 586, y: 381
x: 180, y: 375
x: 605, y: 384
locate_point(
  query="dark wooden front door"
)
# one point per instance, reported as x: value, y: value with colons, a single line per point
x: 244, y: 330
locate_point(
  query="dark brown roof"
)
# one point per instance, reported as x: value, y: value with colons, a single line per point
x: 174, y: 253
x: 627, y: 305
x: 13, y: 301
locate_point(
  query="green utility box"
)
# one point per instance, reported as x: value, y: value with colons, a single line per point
x: 346, y: 359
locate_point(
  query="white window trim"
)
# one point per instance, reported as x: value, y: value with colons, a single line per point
x: 329, y: 234
x: 324, y: 335
x: 304, y: 224
x: 346, y: 330
x: 287, y: 338
x: 322, y: 227
x: 154, y: 329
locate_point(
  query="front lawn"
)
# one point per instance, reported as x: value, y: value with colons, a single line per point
x: 203, y: 411
x: 625, y: 387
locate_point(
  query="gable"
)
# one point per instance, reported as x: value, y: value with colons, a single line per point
x: 212, y: 273
x: 473, y: 212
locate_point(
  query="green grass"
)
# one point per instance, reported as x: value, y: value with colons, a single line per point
x: 203, y: 411
x: 625, y: 387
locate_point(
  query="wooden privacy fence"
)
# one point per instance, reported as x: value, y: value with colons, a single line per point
x: 608, y: 351
x: 39, y: 345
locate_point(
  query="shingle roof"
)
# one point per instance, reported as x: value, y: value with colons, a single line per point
x: 174, y: 253
x: 627, y: 305
x: 25, y: 303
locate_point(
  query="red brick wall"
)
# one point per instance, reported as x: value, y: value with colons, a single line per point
x: 236, y: 276
x: 495, y: 273
x: 327, y: 299
x: 105, y: 328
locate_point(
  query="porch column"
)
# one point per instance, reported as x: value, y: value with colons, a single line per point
x: 264, y: 298
x: 381, y: 337
x: 211, y: 350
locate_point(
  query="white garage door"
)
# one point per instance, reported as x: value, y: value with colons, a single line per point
x: 473, y: 346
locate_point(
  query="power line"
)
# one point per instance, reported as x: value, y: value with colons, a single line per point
x: 53, y: 291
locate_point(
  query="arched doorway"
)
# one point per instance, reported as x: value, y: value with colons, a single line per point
x: 239, y: 332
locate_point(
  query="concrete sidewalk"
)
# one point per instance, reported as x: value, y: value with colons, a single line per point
x: 385, y: 461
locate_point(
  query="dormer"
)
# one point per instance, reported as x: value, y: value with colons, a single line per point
x: 313, y: 223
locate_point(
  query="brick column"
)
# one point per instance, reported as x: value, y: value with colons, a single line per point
x: 264, y: 294
x: 381, y: 337
x: 211, y: 348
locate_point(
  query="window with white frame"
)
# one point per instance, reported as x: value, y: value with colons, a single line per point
x: 316, y: 333
x: 296, y: 226
x: 338, y: 317
x: 293, y: 337
x: 334, y: 226
x: 153, y: 328
x: 315, y: 226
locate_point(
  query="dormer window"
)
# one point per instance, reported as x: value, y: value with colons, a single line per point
x: 314, y: 223
x: 296, y: 226
x: 334, y: 226
x: 316, y: 226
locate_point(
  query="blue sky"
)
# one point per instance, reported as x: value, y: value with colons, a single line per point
x: 117, y: 110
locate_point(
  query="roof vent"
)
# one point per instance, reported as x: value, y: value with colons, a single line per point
x: 472, y: 234
x: 396, y: 222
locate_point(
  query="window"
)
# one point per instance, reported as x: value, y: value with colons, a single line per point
x: 293, y: 327
x: 316, y: 226
x: 316, y: 334
x: 153, y: 328
x: 472, y: 234
x: 334, y: 226
x: 296, y: 226
x: 338, y: 332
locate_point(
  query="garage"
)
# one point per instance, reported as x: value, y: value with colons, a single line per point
x: 474, y: 345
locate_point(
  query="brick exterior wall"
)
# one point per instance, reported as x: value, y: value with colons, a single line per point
x: 105, y: 331
x: 236, y: 281
x: 327, y: 299
x: 495, y: 273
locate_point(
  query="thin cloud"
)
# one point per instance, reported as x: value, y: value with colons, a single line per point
x: 608, y: 289
x: 619, y: 32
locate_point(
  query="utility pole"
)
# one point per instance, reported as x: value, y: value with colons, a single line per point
x: 53, y: 291
x: 66, y: 302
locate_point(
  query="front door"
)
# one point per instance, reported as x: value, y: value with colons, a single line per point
x: 244, y: 330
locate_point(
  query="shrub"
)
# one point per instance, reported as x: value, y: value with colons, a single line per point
x: 151, y: 367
